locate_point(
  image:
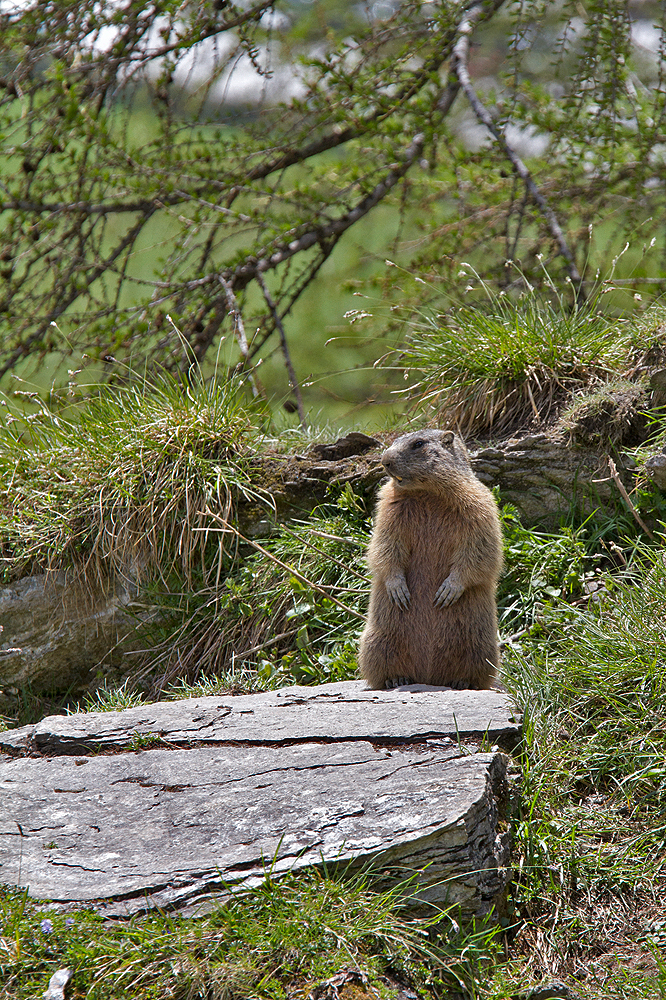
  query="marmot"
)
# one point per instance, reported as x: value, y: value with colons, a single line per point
x: 435, y: 557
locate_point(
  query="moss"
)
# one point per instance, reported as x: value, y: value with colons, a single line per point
x: 612, y: 416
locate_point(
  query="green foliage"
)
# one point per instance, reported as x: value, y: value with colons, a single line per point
x: 591, y: 821
x: 276, y: 610
x: 287, y: 935
x: 134, y: 181
x: 496, y: 365
x: 541, y: 569
x: 138, y: 484
x: 140, y: 184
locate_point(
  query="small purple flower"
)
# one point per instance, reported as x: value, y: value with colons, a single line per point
x: 46, y: 926
x: 69, y: 922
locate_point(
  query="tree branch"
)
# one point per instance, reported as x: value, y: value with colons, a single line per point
x: 293, y: 381
x: 340, y: 136
x: 63, y: 304
x: 296, y: 290
x: 239, y: 330
x: 241, y: 275
x: 459, y: 61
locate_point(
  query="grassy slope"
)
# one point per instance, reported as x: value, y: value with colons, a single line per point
x: 590, y: 805
x: 589, y: 820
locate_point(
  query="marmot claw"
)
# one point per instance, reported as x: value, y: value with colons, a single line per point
x: 398, y: 591
x: 448, y: 592
x: 398, y: 682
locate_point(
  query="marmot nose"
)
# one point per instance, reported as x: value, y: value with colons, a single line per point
x: 387, y: 463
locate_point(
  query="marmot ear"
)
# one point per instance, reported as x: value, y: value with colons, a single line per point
x: 447, y: 437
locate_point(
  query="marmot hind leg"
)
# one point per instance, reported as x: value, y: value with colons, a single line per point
x: 470, y: 665
x: 380, y: 666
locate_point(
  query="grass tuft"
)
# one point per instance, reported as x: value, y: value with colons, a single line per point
x: 117, y: 485
x: 512, y: 361
x: 273, y: 613
x: 109, y: 698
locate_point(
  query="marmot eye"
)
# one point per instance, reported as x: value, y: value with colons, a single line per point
x: 417, y: 444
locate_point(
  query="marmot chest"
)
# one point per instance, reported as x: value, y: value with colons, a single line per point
x: 431, y: 533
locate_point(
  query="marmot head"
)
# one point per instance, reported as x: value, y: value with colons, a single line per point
x: 420, y: 459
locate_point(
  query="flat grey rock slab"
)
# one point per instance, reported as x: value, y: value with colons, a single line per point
x: 168, y: 827
x: 234, y: 787
x: 329, y: 712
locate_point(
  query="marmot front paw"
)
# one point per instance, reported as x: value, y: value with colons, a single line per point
x: 398, y: 591
x: 448, y: 592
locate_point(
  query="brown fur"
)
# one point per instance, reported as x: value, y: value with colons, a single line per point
x: 437, y: 532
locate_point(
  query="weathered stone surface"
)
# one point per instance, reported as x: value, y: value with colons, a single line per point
x: 173, y: 824
x: 542, y: 476
x: 51, y: 640
x: 329, y: 712
x: 169, y: 826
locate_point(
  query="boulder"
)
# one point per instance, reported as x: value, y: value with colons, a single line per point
x: 173, y: 803
x: 54, y: 636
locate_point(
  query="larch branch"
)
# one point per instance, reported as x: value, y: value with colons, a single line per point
x: 293, y: 381
x: 459, y: 67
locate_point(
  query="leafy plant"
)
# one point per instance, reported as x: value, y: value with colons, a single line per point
x: 541, y: 569
x: 288, y: 609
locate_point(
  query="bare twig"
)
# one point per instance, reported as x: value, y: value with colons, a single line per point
x: 265, y: 645
x: 627, y: 499
x: 239, y: 331
x: 459, y: 61
x: 293, y: 381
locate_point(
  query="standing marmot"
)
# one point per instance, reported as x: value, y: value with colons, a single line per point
x: 435, y: 556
